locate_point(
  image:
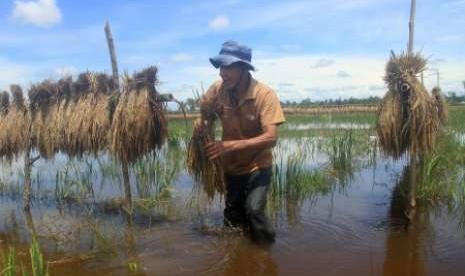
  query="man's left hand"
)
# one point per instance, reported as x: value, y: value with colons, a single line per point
x: 216, y: 148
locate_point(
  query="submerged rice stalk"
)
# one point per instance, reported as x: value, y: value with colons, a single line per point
x: 39, y: 266
x: 341, y: 155
x: 9, y: 267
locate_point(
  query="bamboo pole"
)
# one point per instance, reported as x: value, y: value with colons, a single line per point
x: 127, y: 187
x: 411, y: 26
x: 111, y: 48
x: 124, y: 164
x: 28, y: 164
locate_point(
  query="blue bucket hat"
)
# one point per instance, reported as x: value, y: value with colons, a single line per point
x: 232, y: 52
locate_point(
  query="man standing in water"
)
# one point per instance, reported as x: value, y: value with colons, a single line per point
x: 251, y: 114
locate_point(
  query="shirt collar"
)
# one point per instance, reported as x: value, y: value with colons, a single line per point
x: 251, y: 93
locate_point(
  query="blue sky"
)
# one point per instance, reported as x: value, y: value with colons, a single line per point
x: 304, y: 49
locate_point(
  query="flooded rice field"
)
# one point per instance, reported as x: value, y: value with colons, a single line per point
x: 338, y: 205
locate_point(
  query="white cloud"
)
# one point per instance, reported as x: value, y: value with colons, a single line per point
x: 42, y: 13
x: 293, y: 79
x: 342, y: 74
x: 219, y: 22
x: 65, y: 71
x: 323, y: 63
x: 181, y: 57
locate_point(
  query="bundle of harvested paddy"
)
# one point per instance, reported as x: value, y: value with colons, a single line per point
x: 85, y: 116
x: 408, y: 120
x: 206, y: 172
x: 4, y: 105
x: 4, y: 102
x: 138, y: 125
x: 43, y: 104
x: 441, y: 104
x: 14, y: 129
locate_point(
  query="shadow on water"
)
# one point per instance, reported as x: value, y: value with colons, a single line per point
x: 330, y: 219
x: 244, y: 258
x: 407, y: 230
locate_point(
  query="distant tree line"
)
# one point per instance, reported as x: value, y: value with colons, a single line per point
x: 452, y: 98
x: 309, y: 103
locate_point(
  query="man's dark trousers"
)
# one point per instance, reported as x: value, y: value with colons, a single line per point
x: 246, y: 201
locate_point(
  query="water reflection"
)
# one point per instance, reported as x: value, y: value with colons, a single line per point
x: 245, y: 258
x: 404, y: 242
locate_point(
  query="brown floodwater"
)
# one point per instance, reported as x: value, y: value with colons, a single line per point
x: 359, y: 229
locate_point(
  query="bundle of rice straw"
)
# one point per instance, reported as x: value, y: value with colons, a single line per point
x: 207, y: 173
x: 85, y: 115
x: 408, y: 120
x: 43, y: 99
x: 441, y: 104
x: 138, y: 125
x: 4, y: 103
x: 14, y: 128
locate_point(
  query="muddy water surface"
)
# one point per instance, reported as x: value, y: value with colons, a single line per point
x: 358, y: 229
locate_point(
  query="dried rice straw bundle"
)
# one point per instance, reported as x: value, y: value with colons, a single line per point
x: 408, y: 120
x: 14, y: 138
x: 56, y: 121
x: 139, y: 125
x: 4, y: 106
x: 87, y: 120
x: 207, y: 173
x: 43, y: 99
x: 441, y: 104
x: 4, y: 103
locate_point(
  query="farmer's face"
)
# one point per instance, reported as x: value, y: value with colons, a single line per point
x: 231, y: 75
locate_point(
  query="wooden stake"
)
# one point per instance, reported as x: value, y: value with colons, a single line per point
x: 124, y: 164
x: 127, y: 187
x: 28, y: 163
x: 111, y: 48
x: 411, y: 26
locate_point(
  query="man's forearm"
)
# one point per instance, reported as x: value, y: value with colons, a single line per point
x: 263, y: 141
x: 256, y: 143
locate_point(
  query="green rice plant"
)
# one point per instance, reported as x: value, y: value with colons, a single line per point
x: 133, y: 266
x: 292, y: 180
x: 39, y: 266
x: 74, y: 182
x: 324, y: 124
x: 340, y: 152
x: 441, y: 174
x: 179, y: 130
x: 156, y: 172
x: 9, y: 263
x: 456, y: 121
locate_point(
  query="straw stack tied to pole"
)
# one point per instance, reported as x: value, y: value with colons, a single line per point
x: 86, y: 119
x: 206, y: 172
x: 4, y: 103
x: 14, y: 124
x: 4, y: 106
x: 139, y: 125
x: 43, y: 103
x: 408, y: 119
x: 441, y: 104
